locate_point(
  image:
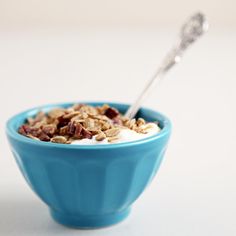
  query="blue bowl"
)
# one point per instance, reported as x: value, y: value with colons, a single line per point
x: 88, y: 186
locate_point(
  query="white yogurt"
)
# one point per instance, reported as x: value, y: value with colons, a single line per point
x: 125, y: 135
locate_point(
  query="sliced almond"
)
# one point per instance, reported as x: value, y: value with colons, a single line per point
x: 113, y: 139
x: 112, y: 132
x: 101, y: 136
x: 58, y: 139
x: 70, y: 115
x: 55, y: 113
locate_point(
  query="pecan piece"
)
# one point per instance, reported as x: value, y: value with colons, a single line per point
x: 71, y: 128
x: 63, y: 130
x: 24, y: 130
x: 86, y: 134
x: 43, y: 137
x: 49, y: 129
x: 78, y: 130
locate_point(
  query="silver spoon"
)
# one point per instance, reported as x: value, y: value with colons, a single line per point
x: 195, y: 26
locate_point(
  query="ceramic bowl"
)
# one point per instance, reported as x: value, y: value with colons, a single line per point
x: 88, y: 186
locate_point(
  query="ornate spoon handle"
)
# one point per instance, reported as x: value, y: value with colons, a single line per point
x: 190, y: 32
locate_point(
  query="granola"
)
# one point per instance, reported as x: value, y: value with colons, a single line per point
x: 80, y: 121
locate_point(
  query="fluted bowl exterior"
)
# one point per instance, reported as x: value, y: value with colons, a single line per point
x: 88, y: 181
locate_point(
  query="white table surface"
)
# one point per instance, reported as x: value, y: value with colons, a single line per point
x: 194, y: 192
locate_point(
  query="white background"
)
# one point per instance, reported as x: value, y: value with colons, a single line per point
x: 58, y: 56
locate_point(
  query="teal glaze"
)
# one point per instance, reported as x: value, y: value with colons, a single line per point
x: 88, y: 186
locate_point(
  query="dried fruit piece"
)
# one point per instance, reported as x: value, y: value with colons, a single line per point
x: 111, y: 112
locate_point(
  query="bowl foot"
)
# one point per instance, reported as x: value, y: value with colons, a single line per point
x: 89, y: 222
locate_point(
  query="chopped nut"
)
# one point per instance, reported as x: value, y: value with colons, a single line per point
x: 140, y: 122
x: 44, y: 137
x: 116, y: 120
x: 78, y: 130
x: 55, y: 113
x: 86, y: 134
x: 112, y: 132
x: 63, y: 130
x: 89, y: 123
x: 24, y: 130
x: 77, y: 119
x: 38, y: 125
x: 49, y: 129
x: 62, y: 121
x: 101, y: 136
x: 70, y: 115
x: 30, y: 120
x: 31, y: 136
x: 89, y: 110
x: 58, y: 139
x: 70, y: 110
x: 77, y: 107
x: 132, y: 124
x: 106, y: 126
x: 40, y: 115
x: 103, y: 109
x: 112, y: 139
x: 147, y: 126
x: 71, y: 128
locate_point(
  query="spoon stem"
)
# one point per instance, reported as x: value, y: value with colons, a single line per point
x: 190, y: 32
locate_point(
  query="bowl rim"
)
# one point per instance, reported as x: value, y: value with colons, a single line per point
x: 12, y: 132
